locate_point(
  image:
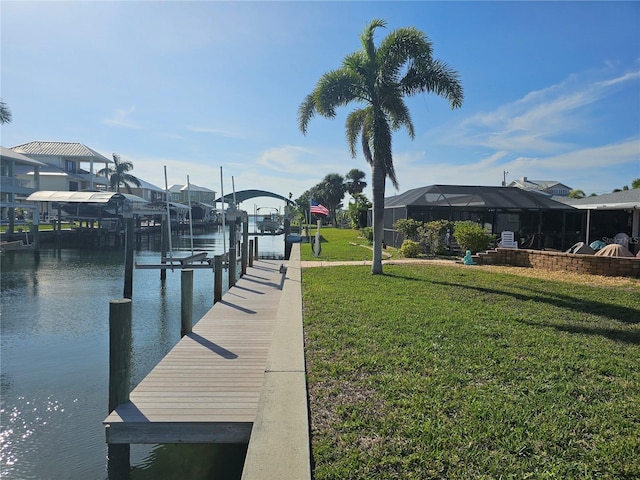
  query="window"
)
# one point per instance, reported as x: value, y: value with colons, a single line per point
x: 70, y: 166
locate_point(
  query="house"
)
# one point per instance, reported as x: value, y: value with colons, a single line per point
x: 69, y: 166
x: 148, y: 191
x: 184, y: 193
x: 202, y: 201
x: 550, y: 187
x: 537, y: 219
x: 14, y: 189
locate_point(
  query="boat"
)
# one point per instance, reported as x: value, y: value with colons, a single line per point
x: 270, y: 222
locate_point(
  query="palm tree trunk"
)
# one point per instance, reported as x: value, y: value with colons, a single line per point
x: 377, y: 187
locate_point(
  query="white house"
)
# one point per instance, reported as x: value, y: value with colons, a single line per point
x: 550, y: 187
x: 68, y: 166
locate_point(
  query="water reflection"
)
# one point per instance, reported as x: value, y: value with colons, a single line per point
x: 54, y: 361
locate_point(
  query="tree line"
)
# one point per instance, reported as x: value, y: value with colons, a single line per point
x: 330, y: 193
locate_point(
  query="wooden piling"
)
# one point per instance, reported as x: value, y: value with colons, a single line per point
x: 118, y: 457
x: 245, y: 244
x: 164, y: 241
x: 255, y: 248
x: 217, y: 278
x: 251, y: 253
x: 186, y: 303
x: 128, y: 258
x: 232, y: 253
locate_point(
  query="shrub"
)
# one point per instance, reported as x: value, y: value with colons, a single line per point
x: 435, y: 236
x: 367, y: 232
x: 410, y: 249
x: 409, y: 228
x: 471, y: 236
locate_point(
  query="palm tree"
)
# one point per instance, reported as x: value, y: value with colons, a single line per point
x: 5, y: 113
x: 378, y: 78
x: 355, y: 182
x: 118, y: 175
x: 577, y: 194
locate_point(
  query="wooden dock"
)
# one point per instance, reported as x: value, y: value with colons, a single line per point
x: 206, y: 389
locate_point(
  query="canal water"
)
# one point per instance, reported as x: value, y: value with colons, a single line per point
x: 54, y: 357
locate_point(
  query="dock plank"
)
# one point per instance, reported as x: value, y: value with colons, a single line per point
x: 207, y: 388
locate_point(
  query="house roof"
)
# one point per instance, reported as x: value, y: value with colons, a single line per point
x: 60, y: 149
x: 542, y: 185
x: 469, y: 196
x: 622, y: 200
x: 18, y: 158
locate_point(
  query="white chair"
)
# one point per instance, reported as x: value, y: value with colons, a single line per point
x: 507, y: 241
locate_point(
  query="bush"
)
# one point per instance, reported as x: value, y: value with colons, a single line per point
x: 410, y: 249
x: 367, y: 232
x: 409, y: 228
x: 435, y: 236
x: 471, y: 236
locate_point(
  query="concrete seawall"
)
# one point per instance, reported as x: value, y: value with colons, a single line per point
x: 279, y: 448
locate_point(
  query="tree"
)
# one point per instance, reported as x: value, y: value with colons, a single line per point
x: 635, y: 183
x: 355, y: 182
x: 5, y: 113
x: 378, y: 79
x: 118, y: 174
x: 577, y: 194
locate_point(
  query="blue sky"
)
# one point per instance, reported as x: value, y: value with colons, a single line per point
x: 552, y: 89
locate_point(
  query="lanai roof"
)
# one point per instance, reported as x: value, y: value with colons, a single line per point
x: 471, y: 196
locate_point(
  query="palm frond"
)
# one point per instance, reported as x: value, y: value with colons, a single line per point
x: 306, y: 111
x: 335, y: 89
x: 434, y: 76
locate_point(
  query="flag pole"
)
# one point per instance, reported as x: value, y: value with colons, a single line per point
x: 309, y: 222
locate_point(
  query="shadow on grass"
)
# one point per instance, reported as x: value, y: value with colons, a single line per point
x: 627, y: 315
x: 632, y: 337
x: 615, y: 312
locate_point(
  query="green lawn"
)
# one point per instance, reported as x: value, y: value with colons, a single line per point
x: 337, y: 245
x: 452, y: 372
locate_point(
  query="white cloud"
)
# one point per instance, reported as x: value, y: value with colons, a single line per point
x: 541, y: 121
x: 220, y: 132
x: 122, y: 118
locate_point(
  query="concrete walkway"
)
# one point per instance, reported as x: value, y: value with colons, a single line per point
x: 279, y: 448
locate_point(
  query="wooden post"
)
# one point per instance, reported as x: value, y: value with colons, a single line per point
x: 164, y: 241
x: 232, y: 253
x: 119, y: 378
x: 128, y: 258
x: 245, y: 244
x: 255, y: 248
x: 217, y: 278
x: 287, y: 243
x: 186, y: 304
x: 251, y: 253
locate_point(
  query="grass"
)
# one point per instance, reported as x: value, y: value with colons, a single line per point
x: 338, y: 245
x: 434, y: 371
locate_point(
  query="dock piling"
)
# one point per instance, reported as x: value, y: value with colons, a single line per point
x: 251, y: 253
x: 186, y: 304
x: 217, y: 278
x: 119, y: 378
x: 128, y: 258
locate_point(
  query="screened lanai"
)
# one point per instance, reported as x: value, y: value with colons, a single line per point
x: 537, y: 220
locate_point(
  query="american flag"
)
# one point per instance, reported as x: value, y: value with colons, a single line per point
x: 319, y: 209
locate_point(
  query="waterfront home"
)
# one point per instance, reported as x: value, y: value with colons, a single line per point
x: 14, y: 189
x: 535, y: 217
